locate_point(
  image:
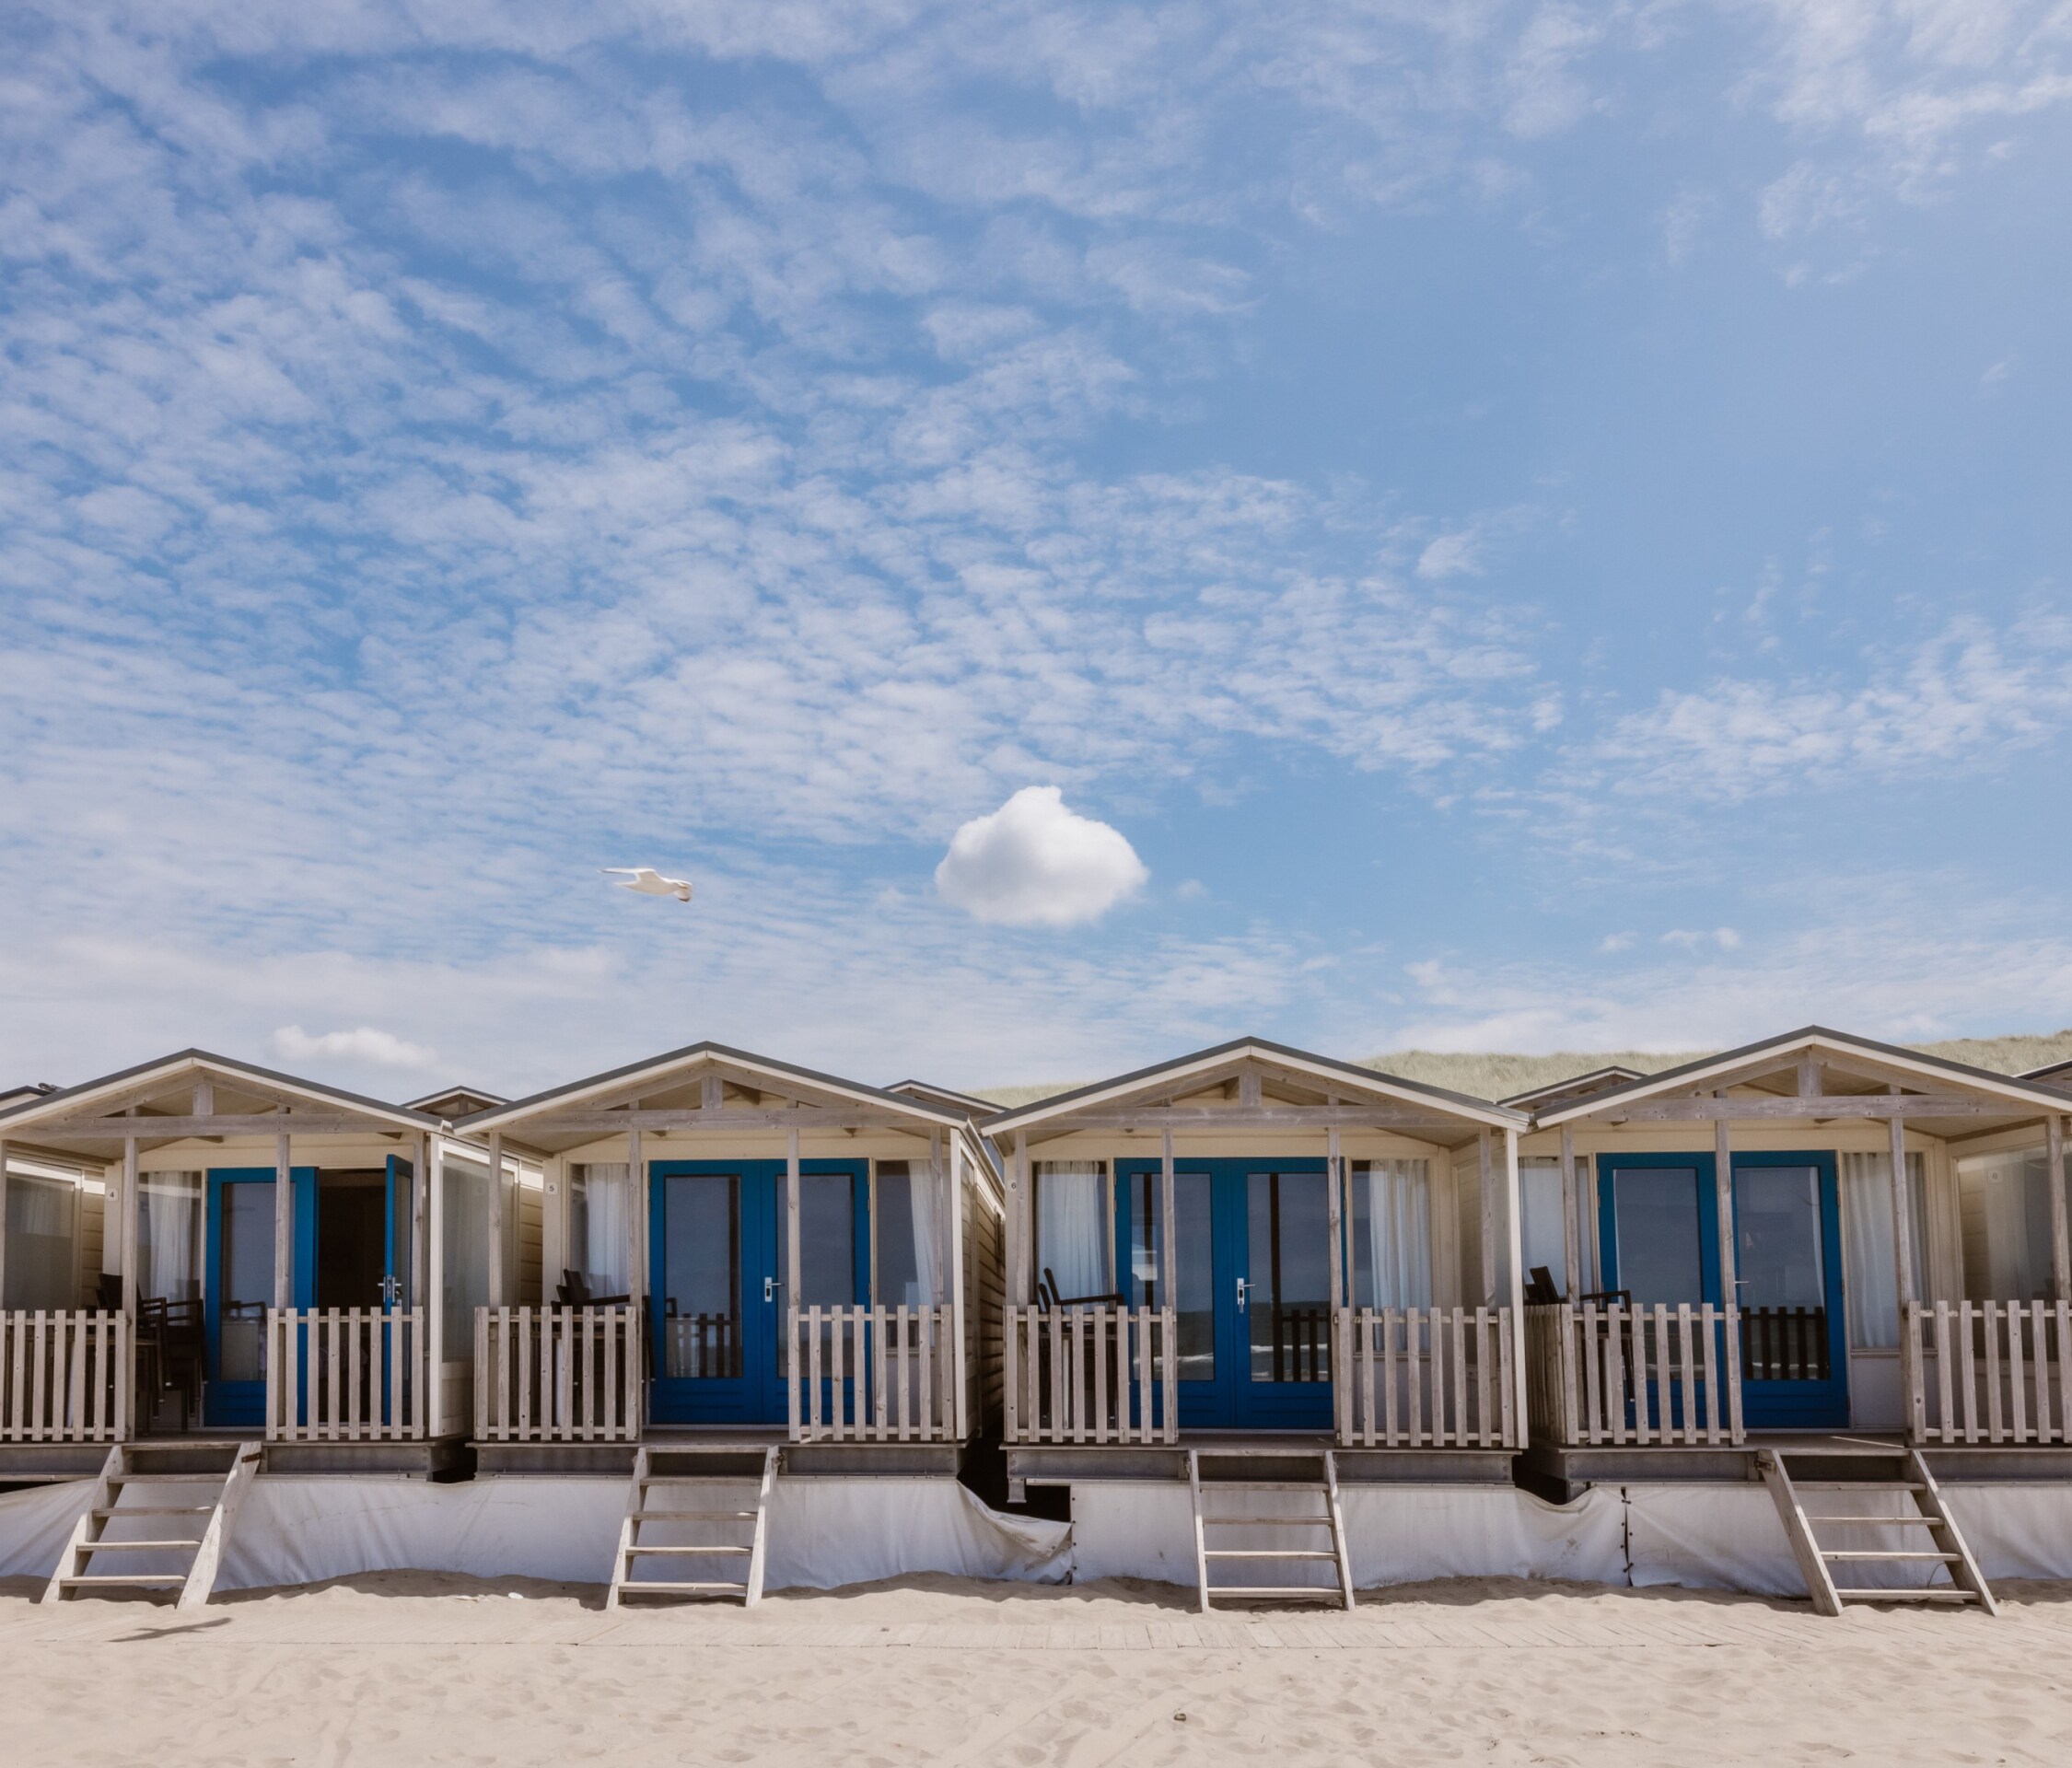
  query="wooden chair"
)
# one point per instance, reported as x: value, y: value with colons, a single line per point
x: 1050, y: 1280
x: 574, y: 1291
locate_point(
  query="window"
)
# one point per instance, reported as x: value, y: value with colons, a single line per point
x: 1072, y: 1237
x: 40, y: 1261
x: 168, y: 1236
x: 465, y: 1284
x: 1391, y: 1234
x: 909, y: 1245
x: 2006, y: 1203
x: 1539, y: 1184
x: 598, y: 1200
x: 1868, y: 1263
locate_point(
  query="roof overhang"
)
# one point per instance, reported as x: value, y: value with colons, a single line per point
x: 195, y: 1094
x: 1355, y: 1097
x: 1889, y: 1082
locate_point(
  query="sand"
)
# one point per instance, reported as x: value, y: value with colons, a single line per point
x: 403, y: 1669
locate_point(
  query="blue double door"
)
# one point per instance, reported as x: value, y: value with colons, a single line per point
x: 1253, y: 1244
x: 717, y: 1274
x: 349, y: 1248
x: 1658, y: 1226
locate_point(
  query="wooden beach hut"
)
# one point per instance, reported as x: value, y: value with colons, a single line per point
x: 213, y: 1269
x: 1259, y: 1276
x: 1826, y: 1262
x: 749, y: 1269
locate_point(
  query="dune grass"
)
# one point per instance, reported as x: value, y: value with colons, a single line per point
x: 1492, y: 1075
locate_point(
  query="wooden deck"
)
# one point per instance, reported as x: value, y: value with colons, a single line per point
x: 1266, y: 1453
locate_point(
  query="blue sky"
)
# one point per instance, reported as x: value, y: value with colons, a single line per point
x: 1542, y: 527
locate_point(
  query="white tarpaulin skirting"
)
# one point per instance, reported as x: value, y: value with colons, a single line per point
x: 827, y: 1532
x: 821, y: 1532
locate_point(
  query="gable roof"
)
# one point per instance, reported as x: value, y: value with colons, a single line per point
x: 1594, y: 1080
x: 2019, y: 1093
x: 54, y: 1108
x: 969, y: 1103
x: 500, y: 1117
x: 1327, y: 1071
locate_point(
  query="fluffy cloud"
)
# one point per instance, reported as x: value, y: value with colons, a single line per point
x: 1035, y: 863
x: 363, y: 1047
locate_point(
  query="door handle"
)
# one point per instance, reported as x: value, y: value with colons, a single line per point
x: 1241, y: 1294
x: 770, y: 1287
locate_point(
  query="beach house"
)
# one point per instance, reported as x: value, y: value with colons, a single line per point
x: 1244, y: 1283
x: 749, y: 1268
x: 1819, y: 1261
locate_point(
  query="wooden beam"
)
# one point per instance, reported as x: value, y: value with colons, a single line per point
x: 1151, y: 1119
x: 3, y: 1223
x: 204, y: 1098
x: 1902, y: 1255
x: 636, y: 1195
x: 1335, y: 1250
x: 125, y: 1229
x: 2061, y: 1241
x: 963, y: 1313
x: 712, y: 1094
x: 496, y: 1296
x: 1249, y: 1096
x: 1730, y: 1290
x: 169, y: 1128
x: 791, y: 1117
x: 1169, y: 1217
x: 1833, y: 1105
x: 1571, y: 1217
x: 433, y: 1329
x: 1809, y: 1076
x: 1514, y: 1297
x: 1485, y: 1168
x: 793, y: 1255
x: 1020, y: 1224
x: 284, y: 1223
x: 415, y: 1282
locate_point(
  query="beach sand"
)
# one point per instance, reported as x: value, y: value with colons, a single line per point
x: 411, y: 1668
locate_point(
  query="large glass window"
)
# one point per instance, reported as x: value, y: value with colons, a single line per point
x: 1072, y: 1233
x: 1391, y: 1234
x: 1288, y: 1292
x: 2005, y: 1203
x: 465, y: 1284
x: 599, y: 1197
x: 908, y: 1237
x: 168, y: 1236
x: 1657, y: 1221
x: 1870, y: 1266
x: 701, y: 1298
x: 1195, y: 1276
x: 246, y: 1261
x: 40, y: 1215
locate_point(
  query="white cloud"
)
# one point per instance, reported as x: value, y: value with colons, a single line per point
x: 1450, y: 555
x: 1690, y: 939
x: 1615, y: 942
x: 364, y: 1046
x: 1035, y: 863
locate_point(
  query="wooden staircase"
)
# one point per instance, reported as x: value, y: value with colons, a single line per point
x: 1856, y: 1467
x: 1299, y: 1536
x: 727, y: 1506
x: 216, y: 1475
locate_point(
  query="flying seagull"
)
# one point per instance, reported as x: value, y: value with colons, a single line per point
x: 649, y: 882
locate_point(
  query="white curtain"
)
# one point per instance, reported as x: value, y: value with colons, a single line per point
x: 604, y: 1189
x: 465, y: 1284
x: 1872, y: 1281
x: 1072, y: 1239
x: 39, y: 1217
x: 1395, y: 1198
x: 168, y: 1236
x: 910, y: 1268
x: 2006, y: 1208
x: 1545, y: 1241
x: 927, y: 1249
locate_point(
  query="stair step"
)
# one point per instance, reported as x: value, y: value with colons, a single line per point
x: 1906, y: 1522
x: 135, y: 1581
x: 1939, y: 1593
x: 1943, y: 1559
x: 1288, y: 1522
x: 1278, y: 1592
x: 1313, y: 1488
x: 148, y: 1478
x: 158, y: 1510
x: 1267, y: 1553
x: 1859, y: 1485
x: 654, y: 1586
x: 135, y: 1546
x: 693, y: 1515
x: 657, y: 1552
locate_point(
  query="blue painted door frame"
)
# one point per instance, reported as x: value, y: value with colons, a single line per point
x: 1231, y: 1399
x: 243, y: 1402
x: 1765, y: 1405
x: 756, y: 1396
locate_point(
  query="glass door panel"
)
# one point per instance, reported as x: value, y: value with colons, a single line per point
x: 701, y: 1298
x: 1660, y: 1231
x: 245, y: 1230
x: 1794, y: 1353
x: 238, y: 1283
x: 1286, y: 1290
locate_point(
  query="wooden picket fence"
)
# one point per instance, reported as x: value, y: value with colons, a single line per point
x: 1625, y: 1375
x: 1093, y: 1374
x: 344, y: 1375
x: 558, y: 1375
x: 873, y: 1375
x: 64, y: 1375
x: 1430, y: 1377
x: 1997, y: 1371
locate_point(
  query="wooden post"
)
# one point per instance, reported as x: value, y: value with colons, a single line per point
x: 1514, y: 1295
x: 420, y: 1181
x: 1571, y: 1217
x: 284, y: 1224
x: 636, y: 1195
x: 788, y: 1308
x: 1729, y: 1292
x: 2061, y: 1242
x: 1902, y: 1254
x: 1341, y: 1350
x: 1022, y: 1224
x: 963, y: 1314
x: 4, y: 1224
x: 1168, y: 1302
x: 126, y: 1227
x: 434, y: 1328
x: 496, y: 1296
x: 1488, y: 1235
